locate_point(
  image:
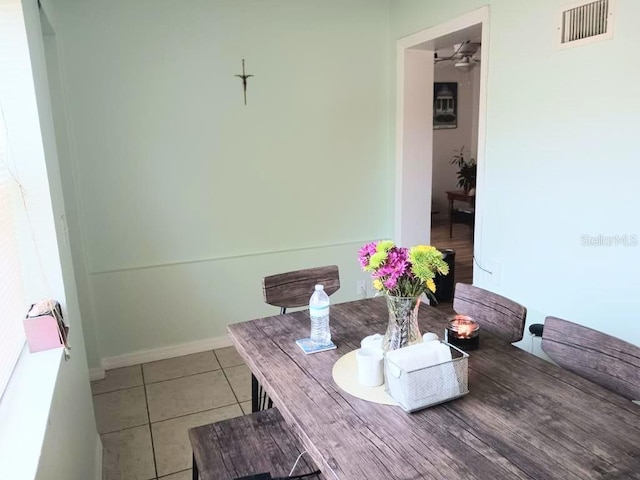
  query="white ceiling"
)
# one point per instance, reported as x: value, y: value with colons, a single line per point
x: 473, y: 34
x: 444, y: 45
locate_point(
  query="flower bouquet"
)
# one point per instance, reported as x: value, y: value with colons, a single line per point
x: 402, y: 275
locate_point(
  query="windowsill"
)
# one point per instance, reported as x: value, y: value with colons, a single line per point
x: 24, y: 412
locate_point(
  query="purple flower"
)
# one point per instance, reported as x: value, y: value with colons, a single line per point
x: 365, y: 253
x: 390, y: 283
x: 395, y: 267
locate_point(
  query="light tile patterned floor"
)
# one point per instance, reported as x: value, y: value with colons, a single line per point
x: 143, y: 412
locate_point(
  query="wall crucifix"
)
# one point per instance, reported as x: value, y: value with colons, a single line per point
x: 244, y: 78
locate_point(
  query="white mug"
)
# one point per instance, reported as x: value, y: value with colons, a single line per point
x: 370, y: 367
x: 372, y: 341
x: 430, y: 337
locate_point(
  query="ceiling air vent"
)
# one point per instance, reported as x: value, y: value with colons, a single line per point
x: 582, y: 22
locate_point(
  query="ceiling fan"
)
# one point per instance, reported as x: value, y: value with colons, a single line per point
x: 464, y: 56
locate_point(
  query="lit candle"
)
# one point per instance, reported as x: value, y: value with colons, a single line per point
x: 463, y: 332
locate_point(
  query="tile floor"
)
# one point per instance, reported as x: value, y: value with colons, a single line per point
x: 143, y: 412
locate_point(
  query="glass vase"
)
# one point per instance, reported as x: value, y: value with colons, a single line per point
x: 403, y: 329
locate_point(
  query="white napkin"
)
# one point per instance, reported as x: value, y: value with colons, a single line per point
x: 444, y: 352
x: 439, y: 382
x: 413, y: 357
x: 447, y: 371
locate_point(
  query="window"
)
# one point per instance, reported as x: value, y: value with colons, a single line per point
x: 12, y: 301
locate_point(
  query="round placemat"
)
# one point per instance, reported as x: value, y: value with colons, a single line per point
x: 345, y: 374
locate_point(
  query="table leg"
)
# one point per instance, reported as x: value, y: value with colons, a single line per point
x: 194, y: 468
x: 450, y: 217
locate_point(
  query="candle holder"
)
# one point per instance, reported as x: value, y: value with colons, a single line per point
x: 463, y: 332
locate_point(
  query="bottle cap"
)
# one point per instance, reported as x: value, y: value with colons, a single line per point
x: 319, y: 287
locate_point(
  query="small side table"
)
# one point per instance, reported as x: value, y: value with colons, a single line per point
x: 462, y: 197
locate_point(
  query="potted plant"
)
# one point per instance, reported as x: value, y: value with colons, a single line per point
x: 467, y: 170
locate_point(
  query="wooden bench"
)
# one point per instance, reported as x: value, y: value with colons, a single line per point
x: 247, y: 445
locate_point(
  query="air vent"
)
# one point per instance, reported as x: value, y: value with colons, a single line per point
x: 586, y: 22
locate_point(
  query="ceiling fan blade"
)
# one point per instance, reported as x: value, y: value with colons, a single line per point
x: 463, y: 50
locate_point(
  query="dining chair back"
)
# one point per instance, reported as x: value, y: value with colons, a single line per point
x: 293, y: 289
x: 608, y: 361
x: 494, y: 313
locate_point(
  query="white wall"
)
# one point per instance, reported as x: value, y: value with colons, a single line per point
x: 71, y: 440
x: 446, y: 141
x: 186, y: 197
x: 558, y: 164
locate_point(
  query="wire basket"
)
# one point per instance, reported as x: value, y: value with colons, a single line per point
x: 428, y: 386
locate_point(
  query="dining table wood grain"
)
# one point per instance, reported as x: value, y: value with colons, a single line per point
x: 523, y: 418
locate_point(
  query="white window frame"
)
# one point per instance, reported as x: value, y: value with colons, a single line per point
x: 12, y: 298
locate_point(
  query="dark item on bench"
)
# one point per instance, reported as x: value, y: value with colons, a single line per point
x: 445, y: 283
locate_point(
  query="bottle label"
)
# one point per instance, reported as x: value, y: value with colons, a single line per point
x: 319, y: 311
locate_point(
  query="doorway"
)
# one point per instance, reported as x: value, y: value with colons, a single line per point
x: 416, y: 183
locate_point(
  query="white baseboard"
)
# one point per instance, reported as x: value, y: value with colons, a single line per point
x: 162, y: 353
x: 96, y: 374
x: 98, y: 458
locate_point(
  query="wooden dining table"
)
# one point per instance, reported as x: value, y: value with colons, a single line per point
x: 523, y: 418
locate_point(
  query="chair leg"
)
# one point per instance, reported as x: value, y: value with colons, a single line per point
x: 259, y: 398
x: 255, y: 394
x: 262, y: 398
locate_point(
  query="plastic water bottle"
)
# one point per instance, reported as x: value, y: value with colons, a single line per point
x: 319, y: 313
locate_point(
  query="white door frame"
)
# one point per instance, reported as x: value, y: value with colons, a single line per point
x: 414, y: 128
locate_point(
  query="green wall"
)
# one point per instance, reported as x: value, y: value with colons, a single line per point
x: 560, y: 160
x: 71, y: 447
x: 186, y: 196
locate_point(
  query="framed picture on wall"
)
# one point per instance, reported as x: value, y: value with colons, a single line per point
x: 445, y: 105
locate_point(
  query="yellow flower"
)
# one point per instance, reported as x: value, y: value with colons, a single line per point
x: 431, y: 285
x: 423, y: 248
x: 377, y: 259
x: 426, y: 261
x: 384, y: 246
x: 377, y: 284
